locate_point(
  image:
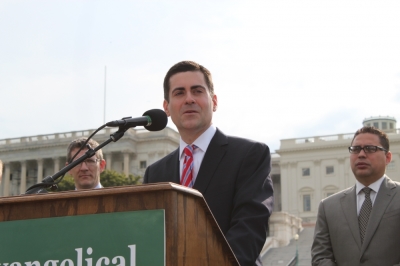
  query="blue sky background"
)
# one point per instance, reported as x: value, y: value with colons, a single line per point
x: 281, y: 69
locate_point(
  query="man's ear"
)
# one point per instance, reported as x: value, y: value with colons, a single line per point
x: 102, y: 165
x: 165, y: 104
x: 215, y: 102
x: 388, y: 157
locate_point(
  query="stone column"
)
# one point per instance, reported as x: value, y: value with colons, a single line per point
x: 342, y: 177
x: 285, y: 193
x: 22, y: 186
x: 348, y: 173
x: 56, y: 161
x: 108, y: 158
x: 126, y: 163
x: 40, y: 170
x: 318, y: 186
x: 6, y: 179
x: 294, y: 202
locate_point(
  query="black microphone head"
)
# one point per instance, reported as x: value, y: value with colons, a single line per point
x: 158, y: 118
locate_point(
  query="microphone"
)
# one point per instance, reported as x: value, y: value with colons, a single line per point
x: 152, y: 120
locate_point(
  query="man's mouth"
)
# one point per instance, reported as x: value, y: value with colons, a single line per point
x: 190, y: 112
x: 361, y: 164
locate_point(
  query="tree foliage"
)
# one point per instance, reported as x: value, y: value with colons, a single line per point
x: 109, y: 178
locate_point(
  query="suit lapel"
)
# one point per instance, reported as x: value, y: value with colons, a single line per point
x: 214, y: 154
x: 349, y: 207
x: 382, y: 200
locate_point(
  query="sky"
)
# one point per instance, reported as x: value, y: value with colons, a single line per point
x: 281, y: 69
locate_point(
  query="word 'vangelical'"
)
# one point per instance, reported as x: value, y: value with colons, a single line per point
x: 117, y: 260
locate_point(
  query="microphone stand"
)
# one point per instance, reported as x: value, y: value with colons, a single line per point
x: 50, y: 180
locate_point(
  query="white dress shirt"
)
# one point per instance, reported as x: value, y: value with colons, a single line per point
x: 361, y: 195
x: 202, y: 143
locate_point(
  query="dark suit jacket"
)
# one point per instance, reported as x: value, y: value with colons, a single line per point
x: 234, y: 180
x: 337, y: 237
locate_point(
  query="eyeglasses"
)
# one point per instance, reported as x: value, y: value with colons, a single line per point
x: 89, y: 162
x: 366, y: 149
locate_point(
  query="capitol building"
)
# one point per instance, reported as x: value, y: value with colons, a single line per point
x: 27, y: 160
x: 304, y: 170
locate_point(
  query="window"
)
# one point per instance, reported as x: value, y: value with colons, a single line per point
x: 384, y: 125
x: 376, y: 124
x: 307, y: 203
x: 329, y: 194
x: 330, y: 170
x: 143, y: 164
x: 305, y: 171
x: 391, y: 125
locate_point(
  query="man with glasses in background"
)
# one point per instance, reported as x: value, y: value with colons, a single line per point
x: 87, y: 174
x: 361, y: 225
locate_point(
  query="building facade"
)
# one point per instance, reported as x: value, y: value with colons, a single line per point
x: 27, y: 160
x: 313, y: 168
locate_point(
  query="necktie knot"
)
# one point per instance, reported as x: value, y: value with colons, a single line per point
x: 367, y: 191
x: 188, y: 151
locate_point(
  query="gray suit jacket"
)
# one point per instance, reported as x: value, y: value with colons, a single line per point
x: 337, y: 239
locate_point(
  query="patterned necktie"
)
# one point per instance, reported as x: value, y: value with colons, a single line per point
x: 187, y: 173
x: 365, y: 211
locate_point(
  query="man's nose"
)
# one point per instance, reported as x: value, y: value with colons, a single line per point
x: 83, y: 166
x: 189, y: 98
x: 362, y: 153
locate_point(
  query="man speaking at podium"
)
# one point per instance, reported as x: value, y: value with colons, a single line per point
x: 232, y: 173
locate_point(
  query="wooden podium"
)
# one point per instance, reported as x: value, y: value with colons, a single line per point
x: 192, y: 236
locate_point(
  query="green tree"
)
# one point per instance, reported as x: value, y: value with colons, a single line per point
x: 66, y: 184
x: 109, y: 178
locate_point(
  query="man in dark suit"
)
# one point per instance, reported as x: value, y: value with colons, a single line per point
x: 360, y: 225
x: 232, y: 173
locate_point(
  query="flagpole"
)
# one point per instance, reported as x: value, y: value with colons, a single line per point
x: 105, y: 79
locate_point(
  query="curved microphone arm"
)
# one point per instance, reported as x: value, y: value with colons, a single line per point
x: 50, y: 180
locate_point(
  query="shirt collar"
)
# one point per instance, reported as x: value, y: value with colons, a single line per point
x: 374, y: 186
x: 98, y: 186
x: 201, y: 142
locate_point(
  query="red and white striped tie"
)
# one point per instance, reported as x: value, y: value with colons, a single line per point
x: 187, y: 173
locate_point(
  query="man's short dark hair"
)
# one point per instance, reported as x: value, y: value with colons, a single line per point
x: 185, y: 66
x: 383, y: 138
x: 78, y: 143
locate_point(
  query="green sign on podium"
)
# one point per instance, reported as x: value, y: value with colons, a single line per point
x: 132, y: 238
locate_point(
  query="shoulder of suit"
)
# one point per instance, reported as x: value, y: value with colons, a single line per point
x: 393, y: 183
x: 243, y: 141
x: 340, y: 194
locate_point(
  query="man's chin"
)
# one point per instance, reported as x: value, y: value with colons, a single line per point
x: 192, y: 124
x: 363, y: 175
x: 87, y: 185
